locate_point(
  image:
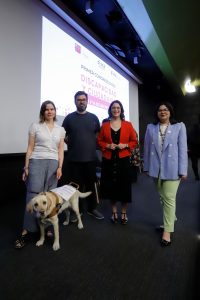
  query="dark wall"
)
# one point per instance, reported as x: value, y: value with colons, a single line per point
x: 149, y: 97
x: 187, y: 108
x: 12, y: 186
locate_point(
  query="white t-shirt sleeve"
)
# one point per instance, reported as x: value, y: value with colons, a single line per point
x: 32, y: 129
x: 63, y: 132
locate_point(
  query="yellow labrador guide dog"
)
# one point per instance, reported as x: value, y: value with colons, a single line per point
x: 48, y: 205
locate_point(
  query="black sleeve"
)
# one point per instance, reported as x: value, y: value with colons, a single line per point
x: 97, y: 125
x: 64, y: 124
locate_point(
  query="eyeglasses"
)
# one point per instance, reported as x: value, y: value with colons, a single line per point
x: 115, y: 107
x: 81, y: 100
x: 164, y: 109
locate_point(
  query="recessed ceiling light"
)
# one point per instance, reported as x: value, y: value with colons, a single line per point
x: 189, y: 87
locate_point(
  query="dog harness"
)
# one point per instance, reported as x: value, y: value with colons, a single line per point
x: 65, y: 191
x: 56, y: 208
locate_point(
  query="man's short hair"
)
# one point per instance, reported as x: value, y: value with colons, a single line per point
x: 79, y: 93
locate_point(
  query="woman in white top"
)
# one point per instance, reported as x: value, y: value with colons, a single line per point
x: 43, y: 162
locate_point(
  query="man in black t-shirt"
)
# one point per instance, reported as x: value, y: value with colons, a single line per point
x: 82, y: 128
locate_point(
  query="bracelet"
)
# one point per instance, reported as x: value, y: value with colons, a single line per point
x: 25, y: 168
x: 59, y: 167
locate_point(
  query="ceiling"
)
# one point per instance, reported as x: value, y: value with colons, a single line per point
x: 158, y: 40
x: 175, y: 30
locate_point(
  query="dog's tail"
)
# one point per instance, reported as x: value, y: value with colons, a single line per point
x: 84, y: 195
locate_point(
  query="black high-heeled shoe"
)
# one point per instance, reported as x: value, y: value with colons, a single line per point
x: 160, y: 228
x: 165, y: 243
x: 124, y: 219
x: 114, y: 217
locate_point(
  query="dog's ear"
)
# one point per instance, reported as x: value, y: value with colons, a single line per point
x: 50, y: 203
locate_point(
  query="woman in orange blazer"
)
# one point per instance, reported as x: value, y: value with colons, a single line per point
x: 117, y: 139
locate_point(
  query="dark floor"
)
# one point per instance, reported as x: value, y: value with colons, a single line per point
x: 106, y: 261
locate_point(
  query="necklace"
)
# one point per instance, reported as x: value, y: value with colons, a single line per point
x: 162, y: 132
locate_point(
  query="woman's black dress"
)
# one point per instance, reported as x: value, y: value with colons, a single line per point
x: 116, y: 175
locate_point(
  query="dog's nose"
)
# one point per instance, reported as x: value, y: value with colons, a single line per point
x: 42, y: 213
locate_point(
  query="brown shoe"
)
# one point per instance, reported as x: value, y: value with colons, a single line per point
x: 114, y: 218
x: 124, y: 219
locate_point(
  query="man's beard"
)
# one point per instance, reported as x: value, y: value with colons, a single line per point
x: 82, y: 108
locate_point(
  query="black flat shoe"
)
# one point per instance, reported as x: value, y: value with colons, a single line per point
x: 165, y: 243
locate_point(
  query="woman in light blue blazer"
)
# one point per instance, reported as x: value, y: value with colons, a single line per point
x: 166, y: 160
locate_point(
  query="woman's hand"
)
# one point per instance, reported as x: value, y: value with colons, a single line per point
x: 59, y: 173
x: 146, y: 173
x: 183, y: 177
x: 111, y: 146
x: 122, y: 146
x: 25, y: 174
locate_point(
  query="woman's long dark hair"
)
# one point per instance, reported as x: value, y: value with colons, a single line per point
x: 171, y: 110
x: 122, y: 116
x: 43, y: 108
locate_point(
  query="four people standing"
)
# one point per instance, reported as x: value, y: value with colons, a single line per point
x: 166, y: 160
x: 116, y: 139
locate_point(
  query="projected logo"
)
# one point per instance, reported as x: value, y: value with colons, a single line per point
x: 113, y: 74
x: 101, y: 65
x: 77, y: 48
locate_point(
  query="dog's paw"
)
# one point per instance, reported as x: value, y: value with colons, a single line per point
x: 80, y: 226
x: 56, y: 246
x: 66, y: 223
x: 40, y: 243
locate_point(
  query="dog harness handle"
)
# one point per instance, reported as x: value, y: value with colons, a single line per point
x: 74, y: 184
